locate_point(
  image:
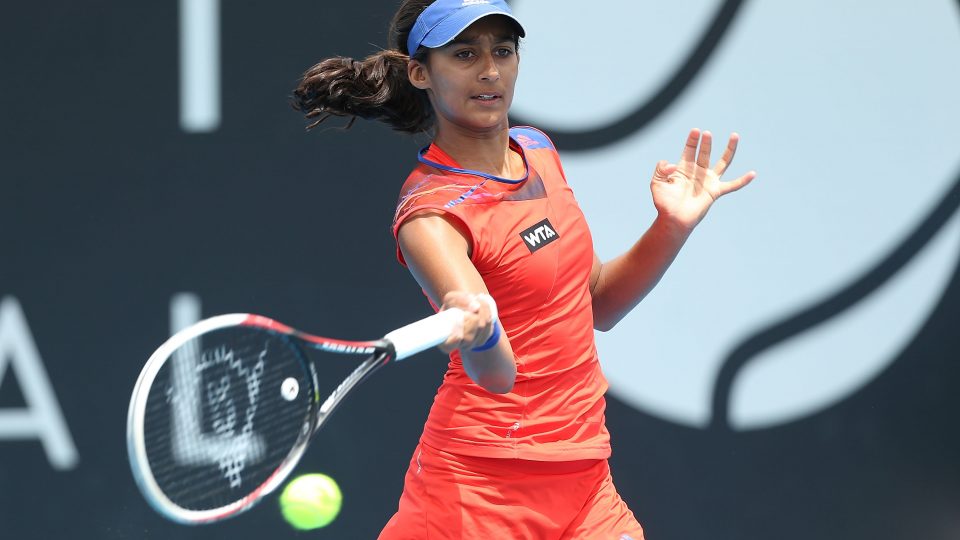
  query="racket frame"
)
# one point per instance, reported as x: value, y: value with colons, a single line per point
x: 396, y: 345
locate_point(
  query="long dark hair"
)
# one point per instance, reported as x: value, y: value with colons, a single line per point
x: 375, y: 88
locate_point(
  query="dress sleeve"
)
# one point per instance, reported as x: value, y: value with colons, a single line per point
x: 436, y: 194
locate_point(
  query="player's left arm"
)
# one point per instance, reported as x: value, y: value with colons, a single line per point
x: 682, y: 194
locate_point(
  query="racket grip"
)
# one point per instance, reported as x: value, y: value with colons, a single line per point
x: 425, y: 333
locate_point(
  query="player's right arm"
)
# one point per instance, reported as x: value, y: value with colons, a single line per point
x: 438, y: 255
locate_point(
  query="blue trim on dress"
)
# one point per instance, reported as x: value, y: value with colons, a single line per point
x: 526, y: 166
x: 533, y: 137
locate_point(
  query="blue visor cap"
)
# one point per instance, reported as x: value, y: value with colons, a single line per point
x: 443, y: 20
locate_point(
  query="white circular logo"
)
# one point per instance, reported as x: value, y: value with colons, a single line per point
x: 289, y: 389
x: 800, y: 289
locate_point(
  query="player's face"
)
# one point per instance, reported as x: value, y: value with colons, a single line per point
x: 471, y: 80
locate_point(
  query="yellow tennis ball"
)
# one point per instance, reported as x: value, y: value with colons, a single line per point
x: 311, y: 501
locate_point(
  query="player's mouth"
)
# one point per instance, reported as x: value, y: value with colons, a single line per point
x: 487, y: 98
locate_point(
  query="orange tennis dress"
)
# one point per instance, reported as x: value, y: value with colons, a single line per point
x: 530, y: 463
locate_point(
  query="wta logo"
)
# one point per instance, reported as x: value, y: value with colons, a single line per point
x: 539, y: 235
x: 798, y: 291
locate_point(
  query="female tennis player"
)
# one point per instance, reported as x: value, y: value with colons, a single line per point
x: 515, y: 444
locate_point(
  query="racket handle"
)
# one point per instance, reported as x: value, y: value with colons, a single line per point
x: 425, y: 333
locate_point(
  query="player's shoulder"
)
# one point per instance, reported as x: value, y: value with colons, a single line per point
x: 531, y: 138
x: 424, y: 188
x: 425, y: 179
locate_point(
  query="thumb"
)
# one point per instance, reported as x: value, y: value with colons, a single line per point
x: 663, y: 170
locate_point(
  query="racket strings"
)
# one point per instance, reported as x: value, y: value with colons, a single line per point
x: 224, y: 413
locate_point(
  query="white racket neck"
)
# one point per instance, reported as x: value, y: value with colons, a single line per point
x: 426, y: 333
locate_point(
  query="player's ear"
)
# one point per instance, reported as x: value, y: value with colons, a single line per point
x: 417, y: 73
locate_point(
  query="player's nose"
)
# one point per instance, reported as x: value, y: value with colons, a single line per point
x: 489, y: 70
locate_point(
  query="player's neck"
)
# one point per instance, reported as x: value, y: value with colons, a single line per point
x: 488, y: 153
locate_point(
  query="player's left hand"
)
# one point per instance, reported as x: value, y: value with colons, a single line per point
x: 683, y: 192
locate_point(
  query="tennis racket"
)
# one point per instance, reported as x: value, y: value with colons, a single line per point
x: 224, y: 409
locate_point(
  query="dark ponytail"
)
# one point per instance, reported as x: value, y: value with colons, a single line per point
x: 376, y: 88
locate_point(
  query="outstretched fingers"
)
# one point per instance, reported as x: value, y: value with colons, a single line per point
x: 696, y: 159
x: 727, y: 158
x: 737, y: 183
x: 706, y: 144
x: 690, y: 148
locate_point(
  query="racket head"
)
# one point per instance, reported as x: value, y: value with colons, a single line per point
x: 219, y: 416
